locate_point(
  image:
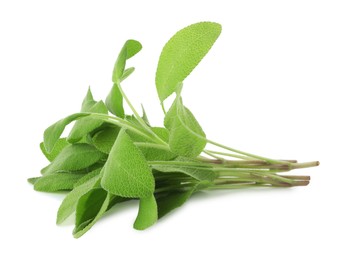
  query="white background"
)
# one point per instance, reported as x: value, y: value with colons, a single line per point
x: 273, y: 84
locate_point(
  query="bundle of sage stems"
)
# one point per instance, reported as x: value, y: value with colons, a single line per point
x: 110, y: 157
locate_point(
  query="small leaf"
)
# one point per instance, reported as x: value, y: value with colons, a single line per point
x: 104, y: 139
x: 127, y: 73
x: 144, y: 116
x: 186, y: 135
x: 53, y: 133
x: 130, y: 48
x: 68, y: 206
x: 59, y: 145
x: 126, y: 172
x: 114, y: 102
x: 175, y: 199
x: 147, y: 214
x: 182, y: 53
x: 90, y: 208
x: 75, y: 157
x: 88, y: 101
x: 57, y: 182
x: 85, y: 125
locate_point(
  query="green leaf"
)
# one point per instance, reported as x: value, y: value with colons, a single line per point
x: 88, y: 101
x: 104, y: 139
x: 59, y: 145
x: 75, y: 157
x: 114, y: 101
x: 196, y: 173
x: 153, y: 153
x: 147, y: 214
x: 175, y: 199
x: 90, y: 208
x: 186, y: 135
x: 126, y: 172
x: 86, y: 177
x: 85, y: 125
x: 68, y: 206
x: 33, y: 180
x: 130, y: 48
x: 144, y: 116
x: 52, y: 134
x: 57, y: 182
x: 127, y: 73
x: 182, y: 53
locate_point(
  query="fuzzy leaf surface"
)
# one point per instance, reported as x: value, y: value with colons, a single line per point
x: 85, y: 125
x: 90, y: 208
x: 182, y: 53
x: 147, y: 213
x: 68, y: 206
x: 60, y: 144
x: 57, y: 182
x: 52, y: 134
x: 186, y: 136
x: 74, y: 157
x: 126, y: 172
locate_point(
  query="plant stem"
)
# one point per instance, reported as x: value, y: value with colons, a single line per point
x: 139, y: 118
x: 245, y: 153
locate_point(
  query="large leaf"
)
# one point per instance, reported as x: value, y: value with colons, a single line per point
x: 90, y: 208
x: 147, y: 213
x: 126, y: 172
x: 186, y: 136
x: 68, y: 206
x: 114, y: 100
x: 175, y: 199
x: 57, y: 182
x: 182, y: 53
x: 74, y: 157
x: 52, y: 134
x: 85, y: 125
x: 59, y: 145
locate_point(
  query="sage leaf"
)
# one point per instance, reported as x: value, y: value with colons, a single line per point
x: 175, y: 199
x: 130, y: 48
x: 104, y: 139
x: 147, y: 213
x: 186, y: 136
x: 57, y: 182
x: 68, y: 206
x: 59, y: 145
x: 126, y: 172
x: 114, y: 100
x: 75, y: 157
x: 127, y: 73
x: 52, y: 134
x: 85, y: 125
x: 90, y: 208
x: 182, y: 53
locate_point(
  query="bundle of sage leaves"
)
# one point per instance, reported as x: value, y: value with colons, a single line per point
x: 110, y: 156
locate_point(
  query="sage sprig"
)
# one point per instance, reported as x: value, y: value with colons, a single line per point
x: 110, y: 156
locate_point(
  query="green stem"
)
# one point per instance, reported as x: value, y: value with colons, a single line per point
x: 245, y: 153
x: 229, y: 155
x: 139, y: 118
x: 151, y: 145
